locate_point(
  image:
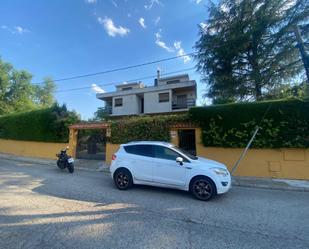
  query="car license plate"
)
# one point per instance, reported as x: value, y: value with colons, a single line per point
x: 70, y: 160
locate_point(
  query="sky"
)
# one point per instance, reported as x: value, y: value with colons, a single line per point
x: 60, y: 39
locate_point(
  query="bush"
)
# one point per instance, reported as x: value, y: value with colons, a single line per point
x: 46, y: 125
x: 144, y: 128
x: 232, y: 125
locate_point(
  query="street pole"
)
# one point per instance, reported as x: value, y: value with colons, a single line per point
x: 301, y: 47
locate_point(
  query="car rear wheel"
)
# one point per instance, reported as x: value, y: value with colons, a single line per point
x: 123, y: 179
x: 202, y: 188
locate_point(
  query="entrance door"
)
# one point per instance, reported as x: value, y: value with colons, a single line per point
x: 142, y: 105
x: 187, y: 140
x: 91, y: 144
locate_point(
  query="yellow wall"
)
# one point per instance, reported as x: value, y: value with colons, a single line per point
x: 110, y: 150
x: 274, y: 163
x: 73, y: 142
x: 31, y: 149
x: 281, y: 163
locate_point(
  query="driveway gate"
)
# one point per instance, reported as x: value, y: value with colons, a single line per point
x: 187, y: 140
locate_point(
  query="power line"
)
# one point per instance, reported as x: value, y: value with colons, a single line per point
x: 118, y: 69
x: 132, y: 80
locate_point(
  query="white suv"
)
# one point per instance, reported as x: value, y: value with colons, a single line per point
x: 165, y: 165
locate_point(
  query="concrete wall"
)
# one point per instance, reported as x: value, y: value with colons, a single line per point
x: 31, y: 149
x: 152, y: 104
x: 129, y: 105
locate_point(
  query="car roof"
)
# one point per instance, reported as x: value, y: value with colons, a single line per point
x: 150, y: 143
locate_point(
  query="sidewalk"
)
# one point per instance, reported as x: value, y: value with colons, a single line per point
x: 81, y: 164
x: 254, y: 182
x: 271, y: 183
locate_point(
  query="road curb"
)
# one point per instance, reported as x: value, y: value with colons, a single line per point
x: 271, y: 185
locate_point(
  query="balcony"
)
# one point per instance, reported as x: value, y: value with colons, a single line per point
x: 108, y: 109
x: 188, y: 103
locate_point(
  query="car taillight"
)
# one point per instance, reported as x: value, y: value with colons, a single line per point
x: 114, y: 157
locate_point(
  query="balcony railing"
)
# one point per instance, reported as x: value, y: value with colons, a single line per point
x: 183, y: 105
x: 108, y: 109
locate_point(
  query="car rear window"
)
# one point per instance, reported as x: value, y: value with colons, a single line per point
x: 140, y: 150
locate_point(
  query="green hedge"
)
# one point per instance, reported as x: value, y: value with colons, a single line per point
x: 46, y: 125
x: 232, y: 125
x: 144, y: 128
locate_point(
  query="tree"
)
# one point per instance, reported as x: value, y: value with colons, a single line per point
x: 248, y: 48
x: 18, y: 94
x: 44, y: 95
x: 286, y: 91
x: 101, y: 114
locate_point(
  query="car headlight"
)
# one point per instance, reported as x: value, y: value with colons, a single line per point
x: 220, y: 171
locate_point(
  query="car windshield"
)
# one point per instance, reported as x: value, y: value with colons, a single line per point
x: 188, y: 154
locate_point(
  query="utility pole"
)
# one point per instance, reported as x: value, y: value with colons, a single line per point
x: 301, y: 47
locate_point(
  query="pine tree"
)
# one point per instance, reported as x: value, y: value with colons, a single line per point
x: 247, y: 48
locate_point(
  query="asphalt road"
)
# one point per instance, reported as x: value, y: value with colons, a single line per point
x: 43, y: 207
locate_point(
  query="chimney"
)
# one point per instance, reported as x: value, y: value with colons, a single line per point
x: 156, y: 81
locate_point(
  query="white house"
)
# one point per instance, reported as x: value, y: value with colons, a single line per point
x: 167, y: 95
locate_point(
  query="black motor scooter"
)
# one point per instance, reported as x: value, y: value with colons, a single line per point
x: 65, y: 161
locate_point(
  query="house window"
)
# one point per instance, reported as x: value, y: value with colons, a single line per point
x: 118, y: 102
x: 127, y: 88
x: 164, y: 97
x: 172, y: 81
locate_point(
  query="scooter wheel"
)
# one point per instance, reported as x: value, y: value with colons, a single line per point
x: 71, y: 167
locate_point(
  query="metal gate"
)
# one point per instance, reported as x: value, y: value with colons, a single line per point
x: 91, y: 144
x: 187, y: 140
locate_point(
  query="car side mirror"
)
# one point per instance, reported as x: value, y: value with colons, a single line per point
x: 179, y: 160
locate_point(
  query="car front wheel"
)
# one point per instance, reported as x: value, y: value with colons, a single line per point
x: 202, y: 188
x: 123, y: 179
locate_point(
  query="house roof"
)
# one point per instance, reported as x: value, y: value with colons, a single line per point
x: 190, y: 83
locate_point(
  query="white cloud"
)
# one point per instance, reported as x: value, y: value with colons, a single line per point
x: 111, y: 29
x: 142, y: 22
x: 177, y: 44
x: 97, y: 89
x: 157, y: 20
x: 162, y: 44
x: 175, y: 48
x: 91, y: 1
x: 20, y: 30
x: 152, y: 3
x: 196, y: 1
x: 181, y: 52
x: 15, y: 30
